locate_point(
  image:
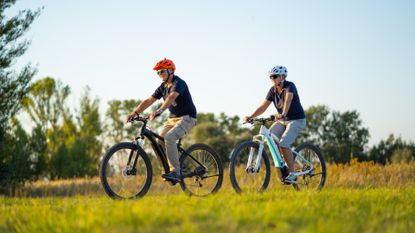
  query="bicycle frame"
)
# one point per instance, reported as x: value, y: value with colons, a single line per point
x: 265, y: 136
x: 146, y: 132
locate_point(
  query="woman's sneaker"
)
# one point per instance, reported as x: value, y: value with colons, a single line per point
x: 290, y: 179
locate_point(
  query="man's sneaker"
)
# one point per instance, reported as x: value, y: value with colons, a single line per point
x: 290, y: 179
x: 172, y: 176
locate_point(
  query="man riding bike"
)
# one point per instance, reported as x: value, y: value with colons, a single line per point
x: 182, y: 117
x: 290, y: 119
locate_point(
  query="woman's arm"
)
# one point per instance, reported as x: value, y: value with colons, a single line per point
x: 287, y: 103
x: 261, y: 109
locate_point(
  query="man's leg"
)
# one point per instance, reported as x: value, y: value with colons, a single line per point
x: 167, y: 126
x: 183, y: 126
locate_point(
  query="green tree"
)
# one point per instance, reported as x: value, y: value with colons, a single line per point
x: 344, y: 137
x: 404, y: 155
x: 13, y: 87
x: 212, y: 134
x: 116, y: 129
x: 78, y: 144
x: 340, y: 135
x: 223, y: 133
x: 90, y: 126
x: 26, y: 160
x: 392, y: 150
x: 317, y: 117
x: 46, y: 105
x: 74, y: 145
x: 230, y: 125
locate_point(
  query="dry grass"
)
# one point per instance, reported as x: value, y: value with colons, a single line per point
x: 353, y: 175
x: 370, y: 175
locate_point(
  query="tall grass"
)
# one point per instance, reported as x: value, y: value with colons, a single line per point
x: 370, y: 174
x: 353, y: 175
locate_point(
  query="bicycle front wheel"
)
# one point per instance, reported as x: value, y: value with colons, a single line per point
x: 202, y: 170
x: 244, y: 177
x: 119, y: 177
x: 309, y: 158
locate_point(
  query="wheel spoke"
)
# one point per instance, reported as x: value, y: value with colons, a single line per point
x: 195, y: 180
x: 119, y: 179
x: 316, y: 179
x: 248, y: 181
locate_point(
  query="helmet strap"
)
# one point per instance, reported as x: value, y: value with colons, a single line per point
x: 169, y: 76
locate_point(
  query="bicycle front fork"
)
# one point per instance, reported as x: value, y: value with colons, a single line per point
x: 254, y: 159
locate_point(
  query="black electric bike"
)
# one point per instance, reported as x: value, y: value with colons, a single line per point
x: 126, y: 170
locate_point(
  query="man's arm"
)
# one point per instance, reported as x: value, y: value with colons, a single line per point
x: 144, y: 105
x: 141, y: 107
x: 167, y: 102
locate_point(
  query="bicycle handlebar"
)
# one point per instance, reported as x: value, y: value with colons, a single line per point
x: 143, y: 119
x: 261, y: 120
x: 138, y: 118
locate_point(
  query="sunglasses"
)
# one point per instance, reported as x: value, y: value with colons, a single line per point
x: 275, y: 76
x: 160, y: 71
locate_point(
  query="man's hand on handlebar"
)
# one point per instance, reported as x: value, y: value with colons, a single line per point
x: 130, y: 117
x: 155, y: 114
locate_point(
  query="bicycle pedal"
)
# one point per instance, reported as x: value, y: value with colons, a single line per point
x: 170, y: 182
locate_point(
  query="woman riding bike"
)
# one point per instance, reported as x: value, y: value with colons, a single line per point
x: 290, y: 119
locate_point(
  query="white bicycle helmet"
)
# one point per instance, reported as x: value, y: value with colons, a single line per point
x: 278, y: 70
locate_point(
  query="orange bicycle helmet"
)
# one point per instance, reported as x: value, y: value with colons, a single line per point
x: 164, y: 64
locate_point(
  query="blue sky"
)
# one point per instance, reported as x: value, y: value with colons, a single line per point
x: 348, y: 55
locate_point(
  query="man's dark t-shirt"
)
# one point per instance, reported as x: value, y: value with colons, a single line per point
x: 183, y: 105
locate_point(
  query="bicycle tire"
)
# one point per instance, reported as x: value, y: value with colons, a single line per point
x: 238, y: 163
x: 310, y: 180
x: 109, y: 164
x: 208, y: 171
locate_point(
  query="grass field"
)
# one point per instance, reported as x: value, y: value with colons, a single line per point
x: 334, y: 210
x: 360, y: 197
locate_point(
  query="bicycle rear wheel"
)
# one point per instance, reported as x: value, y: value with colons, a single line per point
x: 316, y: 178
x: 202, y: 170
x: 242, y: 175
x: 119, y: 177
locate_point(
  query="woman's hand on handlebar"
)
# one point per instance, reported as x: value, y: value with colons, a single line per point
x: 247, y: 119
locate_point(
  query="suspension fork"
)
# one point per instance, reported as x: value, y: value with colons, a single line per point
x: 139, y: 143
x: 256, y: 158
